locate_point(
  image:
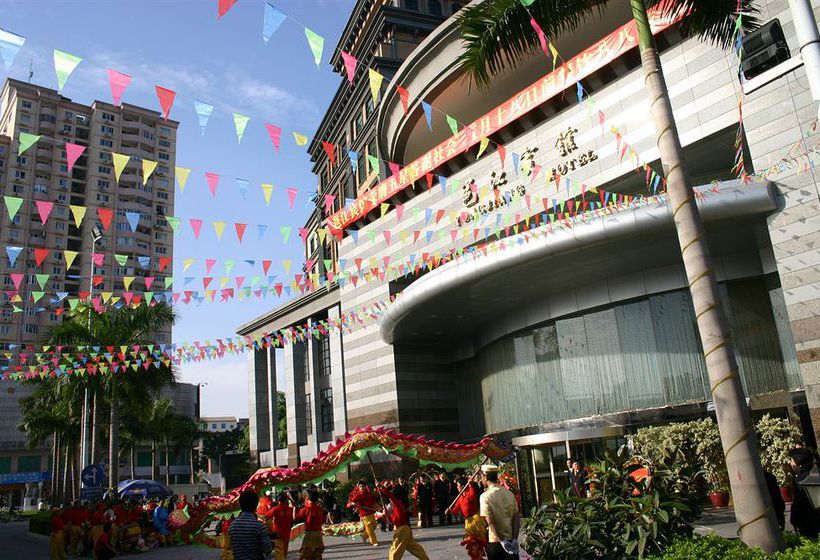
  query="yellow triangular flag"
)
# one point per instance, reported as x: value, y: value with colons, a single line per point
x: 115, y: 299
x: 375, y: 84
x: 120, y: 161
x: 554, y: 52
x: 187, y: 263
x: 286, y: 264
x: 79, y: 213
x: 106, y: 296
x: 322, y: 233
x: 182, y: 177
x: 127, y: 281
x: 223, y: 281
x: 301, y: 139
x: 482, y: 146
x: 69, y: 257
x: 267, y: 190
x: 148, y: 167
x: 219, y: 228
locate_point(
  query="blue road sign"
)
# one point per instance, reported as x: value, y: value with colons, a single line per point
x: 93, y: 476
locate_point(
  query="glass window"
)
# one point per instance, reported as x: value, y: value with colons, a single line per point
x: 411, y: 4
x: 29, y: 463
x: 327, y: 409
x: 5, y: 465
x: 434, y: 7
x: 308, y: 413
x: 106, y: 143
x: 143, y: 458
x: 323, y: 351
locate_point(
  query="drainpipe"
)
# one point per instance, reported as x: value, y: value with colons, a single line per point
x: 809, y: 38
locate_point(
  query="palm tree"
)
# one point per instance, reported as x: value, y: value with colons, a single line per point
x: 498, y: 34
x: 158, y: 427
x: 127, y: 326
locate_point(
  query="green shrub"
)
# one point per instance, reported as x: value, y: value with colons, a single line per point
x: 621, y: 519
x: 713, y: 547
x: 776, y: 437
x: 40, y: 523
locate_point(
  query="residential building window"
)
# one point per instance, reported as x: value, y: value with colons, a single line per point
x: 160, y: 250
x: 159, y: 236
x: 106, y: 129
x: 104, y: 169
x: 162, y: 195
x: 25, y: 104
x: 30, y: 329
x: 164, y: 144
x: 326, y: 406
x: 25, y: 118
x: 63, y: 183
x: 19, y: 174
x: 22, y: 160
x: 60, y: 226
x: 108, y: 117
x: 308, y: 413
x: 18, y: 189
x: 102, y: 197
x: 38, y: 188
x: 223, y: 426
x: 5, y: 329
x: 63, y: 168
x: 165, y: 131
x: 102, y: 184
x: 106, y: 143
x: 164, y: 157
x: 67, y: 129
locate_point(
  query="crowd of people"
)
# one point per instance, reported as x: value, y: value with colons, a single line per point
x: 489, y: 511
x: 106, y: 528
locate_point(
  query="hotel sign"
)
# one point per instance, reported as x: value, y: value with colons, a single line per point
x: 567, y: 148
x: 578, y: 67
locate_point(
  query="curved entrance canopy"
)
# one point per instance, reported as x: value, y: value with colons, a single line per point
x: 483, y: 297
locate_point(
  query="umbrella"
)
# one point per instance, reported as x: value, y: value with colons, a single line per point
x: 144, y: 488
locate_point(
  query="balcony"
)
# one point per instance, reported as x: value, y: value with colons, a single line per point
x: 43, y: 167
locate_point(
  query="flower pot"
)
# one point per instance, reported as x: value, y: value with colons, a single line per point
x: 786, y: 493
x: 719, y: 499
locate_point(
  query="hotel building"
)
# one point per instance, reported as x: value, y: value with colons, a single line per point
x: 561, y: 339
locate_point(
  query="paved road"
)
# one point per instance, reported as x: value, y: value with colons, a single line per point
x: 441, y: 543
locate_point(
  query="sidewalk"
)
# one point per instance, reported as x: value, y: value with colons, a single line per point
x: 721, y: 521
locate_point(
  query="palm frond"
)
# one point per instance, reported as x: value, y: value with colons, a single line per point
x: 497, y: 34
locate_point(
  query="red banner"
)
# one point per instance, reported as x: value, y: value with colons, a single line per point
x: 577, y: 68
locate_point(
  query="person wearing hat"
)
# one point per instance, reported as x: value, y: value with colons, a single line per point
x: 499, y: 509
x: 363, y: 499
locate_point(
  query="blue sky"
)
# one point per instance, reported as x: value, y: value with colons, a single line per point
x: 181, y: 45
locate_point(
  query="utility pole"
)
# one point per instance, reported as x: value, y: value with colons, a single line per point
x: 809, y: 39
x: 96, y: 235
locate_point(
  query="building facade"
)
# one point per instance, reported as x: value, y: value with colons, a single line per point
x: 514, y: 316
x: 41, y: 173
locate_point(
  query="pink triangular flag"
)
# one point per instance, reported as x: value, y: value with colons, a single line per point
x: 196, y: 225
x: 17, y: 278
x: 73, y: 153
x: 118, y: 82
x: 166, y: 100
x: 350, y: 65
x: 541, y: 37
x: 44, y: 209
x: 149, y: 281
x: 213, y: 181
x: 275, y: 134
x: 240, y: 230
x: 209, y: 264
x: 99, y: 258
x: 394, y: 168
x: 292, y: 196
x: 239, y: 281
x: 399, y: 211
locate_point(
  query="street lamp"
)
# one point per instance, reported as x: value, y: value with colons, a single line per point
x: 96, y: 236
x: 811, y: 485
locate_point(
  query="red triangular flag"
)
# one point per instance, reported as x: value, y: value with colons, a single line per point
x: 40, y: 255
x: 330, y: 150
x: 266, y: 266
x: 240, y: 230
x: 404, y: 96
x: 223, y: 7
x: 502, y: 153
x: 106, y: 215
x: 164, y: 262
x: 166, y: 100
x: 72, y: 154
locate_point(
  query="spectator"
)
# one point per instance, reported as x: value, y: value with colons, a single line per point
x: 500, y: 511
x: 424, y: 496
x: 441, y: 489
x: 778, y: 505
x: 804, y: 518
x: 103, y: 549
x: 249, y: 536
x: 578, y: 479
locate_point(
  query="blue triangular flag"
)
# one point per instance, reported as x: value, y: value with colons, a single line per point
x: 349, y: 201
x: 188, y: 280
x: 442, y: 181
x: 428, y: 114
x: 262, y: 228
x: 13, y: 253
x: 242, y: 184
x: 580, y: 92
x: 354, y: 159
x: 133, y: 219
x: 10, y: 45
x: 429, y: 235
x: 250, y: 262
x: 203, y: 111
x: 144, y: 262
x: 515, y: 160
x: 354, y: 233
x: 273, y: 19
x: 428, y: 215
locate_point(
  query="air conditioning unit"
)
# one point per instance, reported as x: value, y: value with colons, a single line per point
x: 763, y: 48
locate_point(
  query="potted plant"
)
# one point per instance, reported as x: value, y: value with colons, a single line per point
x: 776, y: 437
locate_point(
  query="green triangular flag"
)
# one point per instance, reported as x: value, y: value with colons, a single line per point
x: 26, y: 141
x: 240, y: 122
x: 148, y: 297
x: 73, y: 302
x: 13, y: 204
x: 42, y: 279
x: 228, y: 266
x: 374, y: 164
x: 64, y: 65
x: 328, y: 264
x: 527, y: 3
x: 317, y: 44
x: 452, y: 123
x: 35, y: 296
x: 169, y: 281
x: 121, y: 259
x: 174, y: 222
x: 16, y: 309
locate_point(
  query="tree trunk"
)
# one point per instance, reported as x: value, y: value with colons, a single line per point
x: 114, y: 439
x: 94, y: 411
x: 73, y: 461
x: 154, y: 466
x: 191, y: 451
x: 755, y: 517
x: 167, y: 466
x: 55, y: 465
x: 133, y: 461
x: 64, y: 491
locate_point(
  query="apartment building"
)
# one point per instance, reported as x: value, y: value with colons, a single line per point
x: 41, y: 173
